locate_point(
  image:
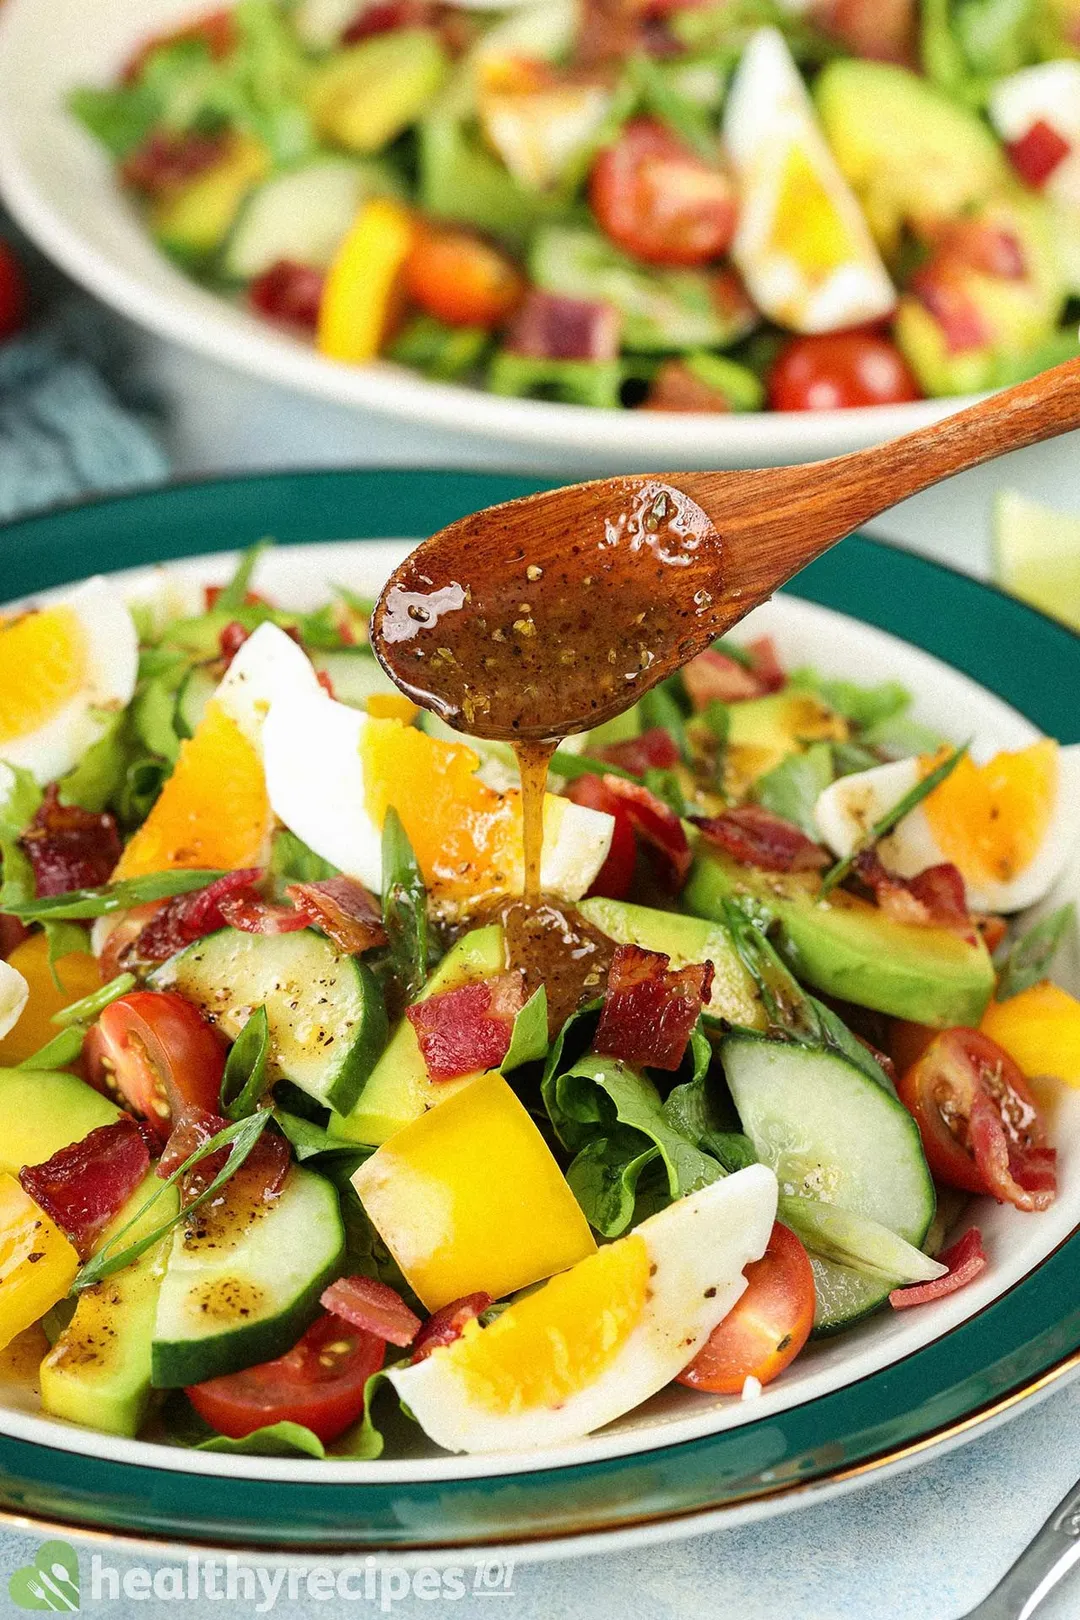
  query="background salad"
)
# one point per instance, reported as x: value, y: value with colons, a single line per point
x: 705, y: 207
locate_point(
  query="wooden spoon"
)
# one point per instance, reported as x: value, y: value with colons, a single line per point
x: 548, y: 615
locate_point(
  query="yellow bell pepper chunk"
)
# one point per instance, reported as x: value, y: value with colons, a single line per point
x: 37, y: 1263
x: 1040, y: 1030
x: 469, y: 1199
x: 79, y: 976
x: 358, y: 300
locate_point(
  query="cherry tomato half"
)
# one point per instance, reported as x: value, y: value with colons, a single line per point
x: 659, y: 200
x: 617, y: 873
x: 766, y: 1328
x: 157, y: 1052
x: 14, y: 297
x: 319, y: 1383
x: 838, y: 370
x: 461, y: 279
x: 979, y: 1122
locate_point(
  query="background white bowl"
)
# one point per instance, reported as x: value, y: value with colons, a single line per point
x: 60, y: 187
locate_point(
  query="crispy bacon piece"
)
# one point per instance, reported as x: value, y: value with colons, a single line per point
x: 382, y: 16
x: 247, y: 910
x: 882, y: 30
x: 616, y: 876
x: 766, y: 663
x: 447, y: 1324
x: 194, y: 1127
x: 251, y: 598
x: 965, y: 1260
x: 650, y: 1008
x: 167, y: 161
x: 1021, y: 1173
x: 188, y: 917
x: 215, y: 29
x: 753, y: 836
x: 655, y: 749
x: 550, y: 327
x: 1038, y: 153
x: 83, y: 1186
x: 260, y: 1177
x: 366, y: 1303
x: 676, y: 388
x: 346, y: 912
x: 934, y: 898
x: 981, y: 246
x: 231, y: 640
x: 714, y: 677
x: 467, y: 1029
x: 289, y: 293
x: 941, y: 289
x: 70, y: 848
x: 657, y: 825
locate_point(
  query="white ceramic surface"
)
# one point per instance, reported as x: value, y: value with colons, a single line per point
x: 60, y: 186
x: 804, y: 633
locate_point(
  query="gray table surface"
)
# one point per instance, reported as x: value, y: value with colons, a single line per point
x: 923, y: 1545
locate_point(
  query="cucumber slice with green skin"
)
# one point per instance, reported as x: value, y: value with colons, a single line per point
x: 327, y: 1019
x: 243, y: 1280
x: 302, y: 215
x: 196, y: 690
x: 356, y: 675
x: 831, y: 1133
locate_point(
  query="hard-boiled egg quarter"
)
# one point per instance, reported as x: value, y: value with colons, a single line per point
x: 333, y: 772
x: 64, y: 669
x: 600, y: 1338
x: 802, y: 245
x: 1008, y: 825
x: 14, y: 993
x: 1047, y: 95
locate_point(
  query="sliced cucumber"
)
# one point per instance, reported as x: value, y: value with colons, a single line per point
x: 243, y: 1279
x: 832, y: 1134
x: 327, y: 1019
x: 355, y: 674
x: 302, y: 214
x: 196, y: 690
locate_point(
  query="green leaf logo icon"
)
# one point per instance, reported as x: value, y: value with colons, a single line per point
x: 50, y: 1582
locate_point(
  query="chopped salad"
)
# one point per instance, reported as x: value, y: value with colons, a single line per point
x: 673, y: 205
x: 300, y: 1112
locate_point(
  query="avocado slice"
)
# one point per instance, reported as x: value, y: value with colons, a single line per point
x: 364, y: 96
x: 192, y: 224
x: 98, y: 1371
x: 398, y: 1089
x: 763, y: 732
x: 846, y: 947
x: 42, y: 1112
x: 910, y: 153
x: 735, y: 998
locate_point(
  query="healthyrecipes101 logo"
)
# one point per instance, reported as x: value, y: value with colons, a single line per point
x: 52, y: 1582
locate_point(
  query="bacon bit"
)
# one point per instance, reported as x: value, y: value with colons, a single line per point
x: 447, y: 1324
x: 934, y: 898
x: 383, y: 16
x: 231, y: 640
x: 650, y: 1008
x: 83, y: 1186
x: 194, y: 1127
x: 260, y: 1177
x: 462, y: 1030
x: 881, y: 30
x: 984, y: 247
x: 345, y: 911
x: 766, y: 663
x: 12, y: 933
x: 655, y: 749
x: 289, y: 293
x: 186, y: 918
x: 753, y: 836
x: 1018, y: 1174
x: 714, y: 677
x: 216, y: 30
x: 657, y: 824
x: 166, y: 162
x: 366, y: 1303
x: 246, y: 910
x: 550, y: 327
x: 677, y: 388
x: 615, y: 878
x: 325, y: 682
x: 212, y: 592
x: 942, y: 292
x: 965, y: 1260
x: 1037, y: 154
x: 70, y: 848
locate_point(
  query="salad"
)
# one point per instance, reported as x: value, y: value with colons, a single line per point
x: 674, y: 205
x: 301, y: 1112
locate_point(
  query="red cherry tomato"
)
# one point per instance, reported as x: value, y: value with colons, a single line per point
x: 659, y: 200
x: 979, y: 1122
x: 14, y: 294
x: 838, y: 370
x: 766, y: 1328
x: 461, y: 279
x: 615, y: 877
x: 319, y: 1383
x: 157, y: 1052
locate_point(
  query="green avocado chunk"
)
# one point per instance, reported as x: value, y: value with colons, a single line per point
x: 42, y: 1112
x: 846, y: 947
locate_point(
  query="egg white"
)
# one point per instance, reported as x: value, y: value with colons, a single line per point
x: 14, y: 992
x: 697, y: 1250
x: 268, y: 666
x: 845, y: 812
x: 112, y: 659
x: 315, y: 781
x: 769, y: 113
x: 1048, y: 93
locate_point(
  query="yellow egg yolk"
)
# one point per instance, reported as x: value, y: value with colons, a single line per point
x: 212, y: 812
x: 807, y: 224
x: 561, y: 1339
x: 43, y: 664
x: 990, y: 820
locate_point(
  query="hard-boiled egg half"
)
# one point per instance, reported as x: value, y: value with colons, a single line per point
x: 14, y: 993
x: 602, y: 1337
x: 64, y: 669
x: 1008, y: 824
x: 333, y: 772
x: 802, y: 245
x: 214, y: 810
x: 1048, y: 94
